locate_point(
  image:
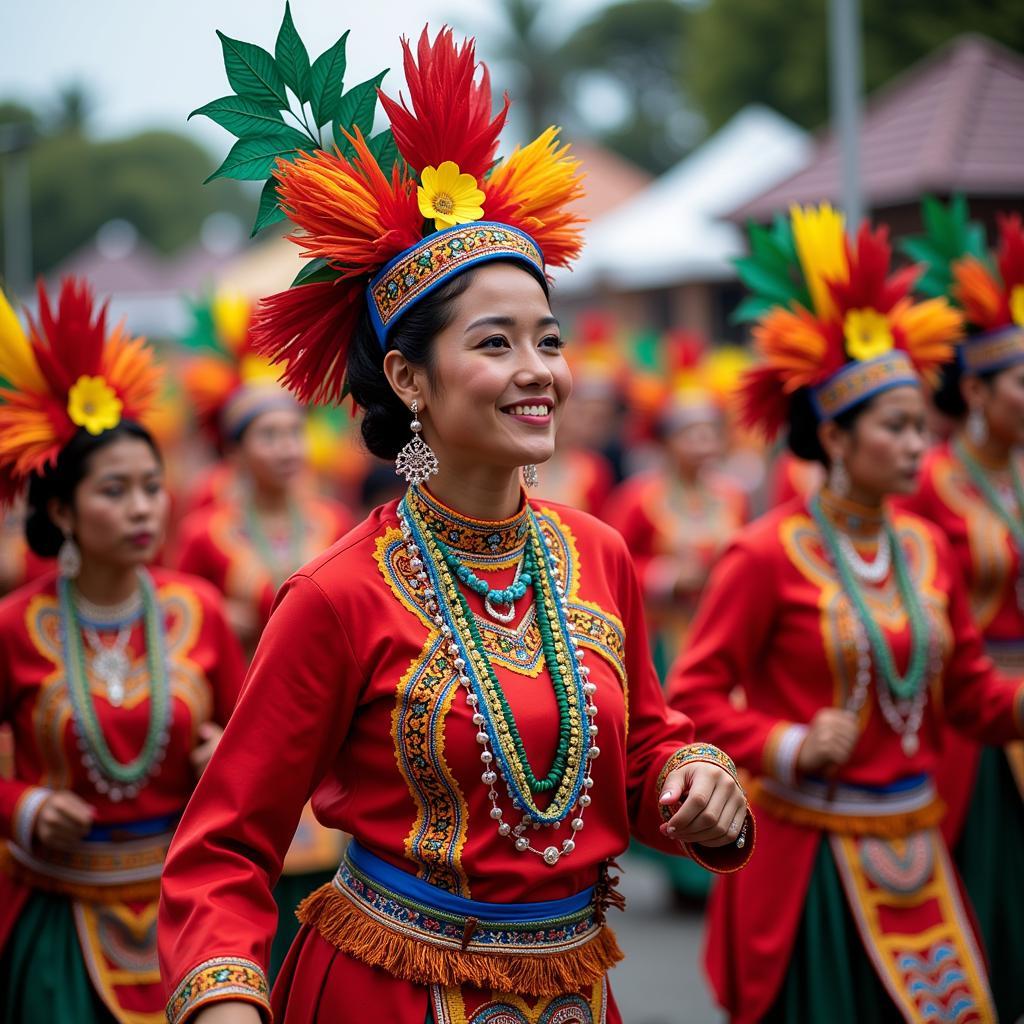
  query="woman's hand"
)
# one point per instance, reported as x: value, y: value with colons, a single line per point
x: 209, y: 735
x: 63, y: 820
x: 713, y: 806
x: 829, y: 742
x: 229, y: 1012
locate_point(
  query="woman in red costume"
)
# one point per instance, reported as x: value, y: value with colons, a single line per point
x: 972, y: 488
x: 849, y: 629
x: 438, y: 681
x: 115, y: 678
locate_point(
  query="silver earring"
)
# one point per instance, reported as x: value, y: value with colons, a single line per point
x: 977, y: 427
x: 69, y: 558
x: 838, y: 479
x: 416, y: 461
x: 530, y: 477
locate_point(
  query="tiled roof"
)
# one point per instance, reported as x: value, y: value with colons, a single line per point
x: 952, y: 123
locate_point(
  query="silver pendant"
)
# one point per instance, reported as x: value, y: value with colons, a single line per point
x: 112, y: 666
x: 910, y: 743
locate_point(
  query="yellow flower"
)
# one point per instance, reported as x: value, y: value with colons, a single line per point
x: 448, y: 197
x: 867, y: 334
x: 1017, y: 305
x: 93, y: 404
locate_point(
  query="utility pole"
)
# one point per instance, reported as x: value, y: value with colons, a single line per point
x: 15, y: 145
x: 846, y: 75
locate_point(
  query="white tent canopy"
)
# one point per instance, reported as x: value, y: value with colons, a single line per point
x: 672, y: 232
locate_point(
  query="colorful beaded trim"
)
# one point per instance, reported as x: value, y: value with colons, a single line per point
x: 695, y: 752
x: 436, y: 927
x: 497, y: 715
x: 995, y: 351
x: 857, y: 382
x: 415, y: 273
x: 220, y: 978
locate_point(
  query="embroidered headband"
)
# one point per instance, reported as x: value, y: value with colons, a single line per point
x: 987, y: 287
x: 66, y: 373
x: 383, y: 219
x: 830, y: 317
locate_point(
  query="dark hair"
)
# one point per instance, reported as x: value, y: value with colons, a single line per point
x: 385, y: 423
x: 61, y: 480
x: 802, y: 437
x: 947, y: 397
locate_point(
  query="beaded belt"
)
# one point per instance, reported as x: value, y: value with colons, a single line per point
x: 110, y: 863
x: 897, y: 809
x: 387, y: 917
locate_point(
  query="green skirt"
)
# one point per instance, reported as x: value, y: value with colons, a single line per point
x: 289, y: 892
x: 830, y: 977
x: 43, y: 977
x: 990, y: 856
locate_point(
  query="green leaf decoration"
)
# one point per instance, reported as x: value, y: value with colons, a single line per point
x: 356, y: 109
x: 949, y: 235
x: 292, y: 58
x: 771, y: 272
x: 254, y: 159
x: 269, y: 211
x: 202, y: 333
x: 750, y: 309
x: 253, y: 72
x: 385, y: 150
x: 314, y: 272
x: 244, y: 117
x: 326, y: 78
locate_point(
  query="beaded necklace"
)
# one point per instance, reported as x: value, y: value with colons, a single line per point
x: 569, y: 780
x: 904, y: 687
x: 992, y: 498
x: 107, y: 774
x: 279, y: 568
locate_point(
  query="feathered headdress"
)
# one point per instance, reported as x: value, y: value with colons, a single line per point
x: 989, y: 289
x: 65, y: 374
x: 384, y: 219
x: 831, y: 317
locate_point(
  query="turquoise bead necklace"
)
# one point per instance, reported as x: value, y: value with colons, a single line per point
x: 903, y: 687
x: 492, y: 596
x: 980, y: 478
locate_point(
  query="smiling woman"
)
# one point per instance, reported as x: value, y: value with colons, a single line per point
x: 437, y: 681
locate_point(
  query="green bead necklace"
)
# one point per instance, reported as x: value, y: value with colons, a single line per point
x: 278, y: 569
x: 107, y: 774
x: 981, y: 480
x: 903, y: 687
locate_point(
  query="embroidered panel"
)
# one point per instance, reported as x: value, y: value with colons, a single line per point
x: 455, y: 1005
x: 222, y: 977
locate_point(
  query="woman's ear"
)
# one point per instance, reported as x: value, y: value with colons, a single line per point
x: 406, y: 380
x: 61, y: 516
x: 834, y: 440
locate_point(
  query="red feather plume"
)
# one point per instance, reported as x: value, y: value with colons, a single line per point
x: 870, y: 286
x: 1011, y: 251
x: 450, y: 117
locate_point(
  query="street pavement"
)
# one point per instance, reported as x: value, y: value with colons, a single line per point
x: 661, y: 980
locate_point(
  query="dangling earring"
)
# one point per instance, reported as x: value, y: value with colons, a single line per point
x: 69, y: 558
x: 530, y: 477
x: 838, y: 478
x: 977, y: 428
x: 416, y: 461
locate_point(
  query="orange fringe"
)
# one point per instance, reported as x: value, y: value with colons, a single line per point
x: 349, y: 929
x: 888, y: 826
x: 132, y: 891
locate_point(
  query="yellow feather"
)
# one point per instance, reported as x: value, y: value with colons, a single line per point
x: 820, y: 243
x: 17, y: 362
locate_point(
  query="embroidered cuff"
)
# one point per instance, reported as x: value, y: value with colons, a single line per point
x: 781, y: 750
x: 25, y: 811
x: 224, y: 977
x: 695, y: 752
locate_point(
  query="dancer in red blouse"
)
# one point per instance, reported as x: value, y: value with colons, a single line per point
x: 115, y: 678
x: 971, y: 487
x: 850, y: 633
x: 462, y: 682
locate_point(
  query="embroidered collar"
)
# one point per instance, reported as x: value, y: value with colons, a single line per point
x: 468, y: 536
x: 853, y: 519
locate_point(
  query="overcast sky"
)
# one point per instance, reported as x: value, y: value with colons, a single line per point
x: 149, y: 63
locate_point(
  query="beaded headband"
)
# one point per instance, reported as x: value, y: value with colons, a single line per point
x: 857, y: 382
x: 989, y: 353
x: 412, y: 275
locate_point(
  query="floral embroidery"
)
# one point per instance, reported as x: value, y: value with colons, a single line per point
x: 220, y: 978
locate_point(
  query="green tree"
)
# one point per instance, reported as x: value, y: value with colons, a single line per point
x: 639, y: 45
x: 745, y: 51
x: 152, y: 179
